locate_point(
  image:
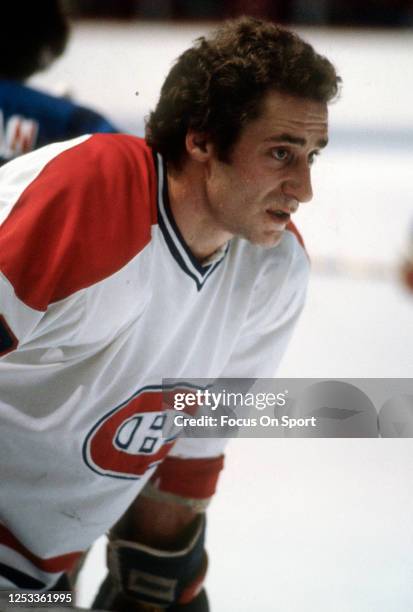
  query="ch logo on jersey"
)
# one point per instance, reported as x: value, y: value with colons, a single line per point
x: 131, y: 438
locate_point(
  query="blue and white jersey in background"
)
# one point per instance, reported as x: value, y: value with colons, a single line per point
x: 30, y: 119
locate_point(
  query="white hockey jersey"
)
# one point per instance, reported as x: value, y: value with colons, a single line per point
x: 100, y: 299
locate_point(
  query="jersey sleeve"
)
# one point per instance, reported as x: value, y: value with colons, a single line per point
x: 17, y: 321
x: 23, y: 234
x: 63, y: 209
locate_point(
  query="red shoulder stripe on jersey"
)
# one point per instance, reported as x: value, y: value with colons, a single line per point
x: 292, y: 228
x: 52, y: 564
x: 87, y: 213
x: 192, y: 478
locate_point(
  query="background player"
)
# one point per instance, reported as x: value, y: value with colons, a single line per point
x: 121, y: 268
x: 33, y: 35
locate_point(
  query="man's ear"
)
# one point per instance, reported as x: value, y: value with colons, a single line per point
x: 198, y: 146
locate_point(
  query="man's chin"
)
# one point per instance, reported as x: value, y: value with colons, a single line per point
x: 268, y: 240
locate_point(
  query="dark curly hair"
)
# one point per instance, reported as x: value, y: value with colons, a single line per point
x: 218, y: 85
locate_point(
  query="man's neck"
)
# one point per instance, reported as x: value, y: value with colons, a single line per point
x: 189, y: 205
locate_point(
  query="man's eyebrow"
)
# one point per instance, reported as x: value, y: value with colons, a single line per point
x: 295, y: 140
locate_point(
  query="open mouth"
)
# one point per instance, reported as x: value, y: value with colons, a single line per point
x: 279, y: 215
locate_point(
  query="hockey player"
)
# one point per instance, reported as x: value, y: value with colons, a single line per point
x: 33, y: 35
x: 124, y: 262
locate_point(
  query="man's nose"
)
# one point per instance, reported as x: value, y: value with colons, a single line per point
x: 298, y: 183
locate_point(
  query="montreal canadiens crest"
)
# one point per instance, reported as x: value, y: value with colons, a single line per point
x: 132, y: 438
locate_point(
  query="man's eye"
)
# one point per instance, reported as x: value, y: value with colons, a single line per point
x: 312, y: 157
x: 280, y: 154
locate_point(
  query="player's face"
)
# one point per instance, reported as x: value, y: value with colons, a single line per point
x: 269, y: 171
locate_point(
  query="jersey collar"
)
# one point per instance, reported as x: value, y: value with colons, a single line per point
x: 173, y: 237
